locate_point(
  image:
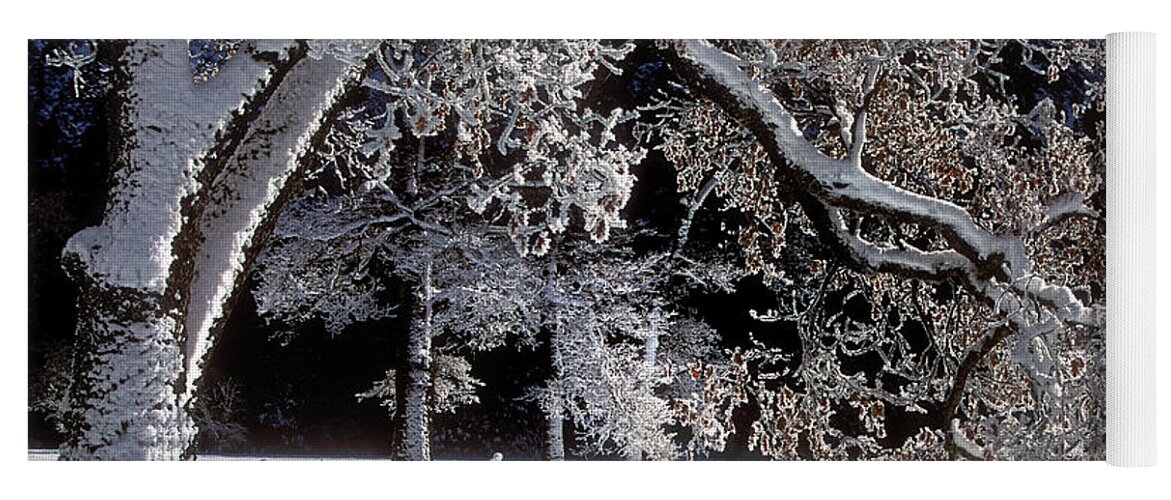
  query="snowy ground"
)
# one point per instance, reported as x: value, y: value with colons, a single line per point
x: 51, y: 455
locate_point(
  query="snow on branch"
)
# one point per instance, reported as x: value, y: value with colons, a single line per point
x: 75, y: 57
x: 840, y: 182
x: 907, y: 261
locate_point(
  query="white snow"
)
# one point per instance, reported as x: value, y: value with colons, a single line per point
x: 132, y: 413
x: 963, y: 442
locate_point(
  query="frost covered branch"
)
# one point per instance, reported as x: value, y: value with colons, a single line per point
x: 854, y: 179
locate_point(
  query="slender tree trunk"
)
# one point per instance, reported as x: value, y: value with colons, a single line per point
x: 650, y: 350
x: 401, y: 384
x: 554, y: 448
x: 554, y: 437
x: 554, y: 432
x: 416, y: 439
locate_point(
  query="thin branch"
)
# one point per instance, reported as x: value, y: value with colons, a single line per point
x: 975, y: 355
x: 859, y: 136
x: 1063, y: 208
x: 697, y: 202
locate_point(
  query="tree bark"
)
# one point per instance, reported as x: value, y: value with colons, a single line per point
x: 416, y: 440
x: 554, y: 431
x: 124, y: 401
x: 554, y: 437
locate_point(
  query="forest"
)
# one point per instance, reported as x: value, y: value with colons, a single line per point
x: 567, y: 249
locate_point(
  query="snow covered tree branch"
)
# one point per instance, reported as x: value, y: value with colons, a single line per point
x: 791, y: 96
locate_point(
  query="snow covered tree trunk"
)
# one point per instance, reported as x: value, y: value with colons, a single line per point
x: 650, y: 351
x: 200, y: 169
x: 554, y: 432
x: 416, y: 439
x: 649, y: 358
x: 125, y: 399
x: 123, y: 402
x: 248, y: 192
x: 554, y: 438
